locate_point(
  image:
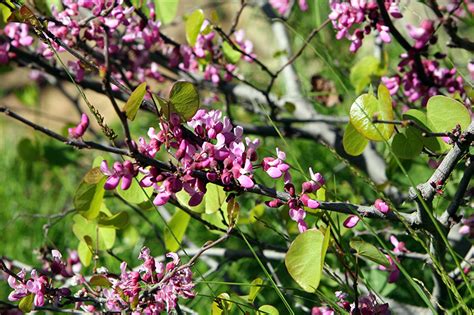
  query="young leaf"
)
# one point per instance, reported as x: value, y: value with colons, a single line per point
x: 221, y: 304
x: 434, y: 144
x: 267, y: 309
x: 369, y: 251
x: 231, y: 55
x: 117, y: 221
x: 408, y: 143
x: 354, y: 143
x: 366, y: 107
x: 444, y: 113
x: 135, y: 193
x: 178, y: 225
x: 134, y: 101
x: 102, y: 237
x: 26, y: 303
x: 166, y: 10
x: 88, y: 197
x: 362, y: 72
x: 215, y: 197
x: 305, y: 259
x: 85, y: 254
x: 184, y: 100
x: 5, y: 13
x: 193, y: 26
x: 256, y: 287
x: 100, y: 281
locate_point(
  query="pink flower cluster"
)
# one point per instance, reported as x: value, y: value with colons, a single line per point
x: 171, y: 282
x: 39, y: 285
x: 206, y: 54
x: 283, y: 6
x: 444, y: 80
x: 131, y: 40
x: 367, y: 305
x: 355, y: 19
x: 215, y: 152
x: 296, y: 203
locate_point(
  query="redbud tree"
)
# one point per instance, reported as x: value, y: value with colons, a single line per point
x: 233, y: 157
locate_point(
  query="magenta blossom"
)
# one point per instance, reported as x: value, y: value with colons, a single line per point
x: 351, y: 221
x: 121, y: 171
x: 80, y: 129
x: 381, y: 206
x: 275, y: 168
x: 394, y: 272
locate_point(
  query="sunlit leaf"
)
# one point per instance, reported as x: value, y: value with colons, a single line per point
x: 100, y: 281
x: 26, y: 303
x: 166, y: 10
x: 268, y: 309
x: 134, y: 101
x: 88, y: 197
x: 305, y: 259
x: 366, y: 108
x: 215, y: 197
x: 444, y: 113
x: 193, y: 26
x: 230, y: 54
x: 117, y: 221
x: 177, y: 227
x: 354, y: 143
x: 256, y: 287
x: 183, y: 100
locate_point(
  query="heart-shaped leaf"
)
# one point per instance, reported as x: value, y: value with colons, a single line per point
x: 369, y: 251
x: 305, y: 258
x: 366, y: 108
x: 444, y: 113
x: 354, y: 143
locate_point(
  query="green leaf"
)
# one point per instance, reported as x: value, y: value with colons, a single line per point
x: 230, y: 54
x: 215, y: 197
x: 221, y: 304
x: 369, y: 251
x: 444, y: 113
x: 84, y: 252
x: 193, y: 26
x: 184, y: 100
x: 5, y: 13
x: 407, y: 144
x: 134, y: 101
x: 363, y: 71
x: 135, y: 193
x: 267, y: 309
x: 434, y: 144
x: 94, y: 176
x: 354, y: 143
x: 100, y: 281
x: 117, y: 221
x: 88, y: 197
x: 101, y: 237
x: 166, y: 10
x: 305, y: 259
x: 256, y: 287
x: 183, y: 198
x: 367, y: 107
x: 26, y: 303
x: 177, y: 227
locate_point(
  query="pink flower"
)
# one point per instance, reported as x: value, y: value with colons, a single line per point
x: 399, y: 247
x: 393, y: 269
x: 121, y: 171
x: 421, y: 34
x: 80, y: 129
x: 381, y: 206
x: 282, y: 6
x: 275, y: 167
x: 351, y: 221
x: 19, y: 288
